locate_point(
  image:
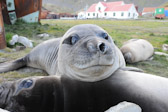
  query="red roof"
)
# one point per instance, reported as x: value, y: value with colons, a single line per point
x: 92, y: 8
x: 149, y: 9
x: 125, y: 7
x: 112, y: 6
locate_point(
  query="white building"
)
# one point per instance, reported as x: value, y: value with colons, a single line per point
x: 148, y: 11
x: 117, y: 10
x: 82, y: 15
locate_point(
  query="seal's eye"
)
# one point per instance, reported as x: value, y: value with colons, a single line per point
x: 26, y: 84
x: 73, y: 39
x: 105, y: 36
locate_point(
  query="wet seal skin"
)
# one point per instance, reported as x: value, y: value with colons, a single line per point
x: 64, y: 94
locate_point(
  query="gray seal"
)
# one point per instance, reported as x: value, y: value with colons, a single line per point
x: 136, y: 50
x: 86, y: 52
x: 64, y: 94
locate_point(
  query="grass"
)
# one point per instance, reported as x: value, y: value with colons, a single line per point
x: 155, y: 31
x: 26, y: 29
x: 122, y: 30
x: 157, y: 66
x: 14, y: 75
x: 9, y: 54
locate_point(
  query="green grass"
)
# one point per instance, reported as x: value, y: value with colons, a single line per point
x: 121, y: 30
x: 31, y: 30
x: 9, y: 54
x: 155, y: 32
x: 14, y: 75
x: 157, y: 66
x: 26, y: 29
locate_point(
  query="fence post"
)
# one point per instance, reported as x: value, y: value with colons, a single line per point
x: 2, y: 30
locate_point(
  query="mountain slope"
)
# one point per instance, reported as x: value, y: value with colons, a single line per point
x: 76, y: 5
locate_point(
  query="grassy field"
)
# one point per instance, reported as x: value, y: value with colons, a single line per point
x: 154, y: 31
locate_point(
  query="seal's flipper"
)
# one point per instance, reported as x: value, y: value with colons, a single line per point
x: 150, y: 58
x: 13, y: 65
x: 5, y: 93
x: 32, y: 94
x: 131, y: 69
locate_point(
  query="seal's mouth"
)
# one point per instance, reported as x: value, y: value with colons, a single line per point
x: 91, y: 73
x: 93, y: 64
x: 96, y: 66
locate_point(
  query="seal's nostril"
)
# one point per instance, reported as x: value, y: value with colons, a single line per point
x: 102, y: 47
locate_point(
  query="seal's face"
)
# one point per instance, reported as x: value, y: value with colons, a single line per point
x: 87, y: 53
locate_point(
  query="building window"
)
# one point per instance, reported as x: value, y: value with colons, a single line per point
x: 105, y: 14
x: 99, y: 8
x: 122, y: 14
x: 133, y: 14
x: 129, y: 14
x: 114, y: 14
x: 93, y: 14
x: 88, y: 14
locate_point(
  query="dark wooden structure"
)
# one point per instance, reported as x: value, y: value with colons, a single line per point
x: 2, y: 34
x: 14, y: 9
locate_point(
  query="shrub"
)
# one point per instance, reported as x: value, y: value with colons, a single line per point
x: 8, y: 38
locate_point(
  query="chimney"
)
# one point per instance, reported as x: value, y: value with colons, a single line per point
x: 136, y: 7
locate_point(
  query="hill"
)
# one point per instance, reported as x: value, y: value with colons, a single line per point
x: 73, y: 6
x: 164, y: 5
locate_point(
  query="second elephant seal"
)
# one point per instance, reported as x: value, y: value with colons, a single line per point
x: 136, y: 50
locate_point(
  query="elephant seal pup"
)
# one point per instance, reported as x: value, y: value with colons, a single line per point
x: 136, y: 50
x: 64, y: 94
x: 86, y: 52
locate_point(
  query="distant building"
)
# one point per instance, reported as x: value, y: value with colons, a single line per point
x: 52, y: 15
x: 159, y: 13
x: 148, y: 11
x: 82, y: 15
x: 166, y: 11
x: 44, y: 13
x: 117, y: 10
